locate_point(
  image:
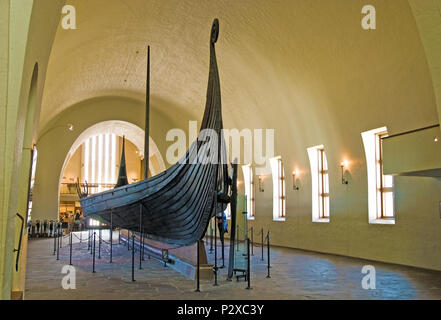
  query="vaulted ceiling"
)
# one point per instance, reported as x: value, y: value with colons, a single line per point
x: 306, y: 68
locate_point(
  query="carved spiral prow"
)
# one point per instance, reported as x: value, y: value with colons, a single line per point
x: 214, y: 30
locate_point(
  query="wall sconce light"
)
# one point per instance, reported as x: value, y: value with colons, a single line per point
x: 294, y: 186
x: 436, y: 139
x: 70, y: 126
x: 261, y: 188
x: 343, y: 165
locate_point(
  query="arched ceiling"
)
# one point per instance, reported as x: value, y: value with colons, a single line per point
x: 304, y: 67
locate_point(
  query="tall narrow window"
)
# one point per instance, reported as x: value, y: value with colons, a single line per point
x: 380, y: 186
x: 279, y: 200
x: 320, y: 183
x: 249, y: 189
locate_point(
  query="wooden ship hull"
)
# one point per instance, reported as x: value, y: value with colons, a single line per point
x: 176, y: 205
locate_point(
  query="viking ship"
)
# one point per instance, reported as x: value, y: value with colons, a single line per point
x: 176, y: 205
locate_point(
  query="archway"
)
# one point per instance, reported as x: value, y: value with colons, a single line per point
x: 98, y: 149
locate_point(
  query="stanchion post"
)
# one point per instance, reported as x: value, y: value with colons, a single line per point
x: 268, y: 247
x: 223, y: 250
x: 215, y: 254
x: 70, y: 254
x: 140, y: 236
x: 128, y: 240
x: 58, y: 246
x: 60, y: 238
x: 142, y: 243
x: 197, y: 268
x: 93, y: 249
x: 55, y: 243
x: 211, y: 236
x: 99, y: 243
x: 111, y: 237
x: 252, y: 241
x: 133, y: 256
x: 91, y: 240
x: 248, y: 265
x: 262, y: 244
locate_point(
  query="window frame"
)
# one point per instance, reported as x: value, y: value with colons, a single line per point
x: 381, y: 189
x: 279, y: 189
x: 248, y: 173
x: 378, y: 188
x: 323, y: 192
x: 318, y: 162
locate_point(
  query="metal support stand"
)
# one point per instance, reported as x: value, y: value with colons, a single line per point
x: 223, y: 251
x: 99, y: 243
x: 248, y: 265
x: 142, y: 242
x: 211, y: 236
x: 111, y: 237
x: 70, y: 254
x: 88, y: 240
x: 140, y: 239
x: 58, y: 246
x: 268, y: 247
x: 252, y: 241
x: 55, y: 243
x: 197, y: 269
x: 93, y: 249
x: 133, y: 256
x: 215, y: 254
x: 262, y: 244
x: 128, y: 240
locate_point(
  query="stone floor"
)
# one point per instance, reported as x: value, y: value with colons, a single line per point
x: 295, y: 274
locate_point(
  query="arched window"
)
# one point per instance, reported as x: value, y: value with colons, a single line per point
x: 248, y: 178
x: 320, y: 183
x: 279, y: 200
x: 380, y: 186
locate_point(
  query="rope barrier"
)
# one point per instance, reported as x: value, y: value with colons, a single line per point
x: 158, y: 248
x: 82, y: 240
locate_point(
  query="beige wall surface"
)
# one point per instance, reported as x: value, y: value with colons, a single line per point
x: 27, y: 32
